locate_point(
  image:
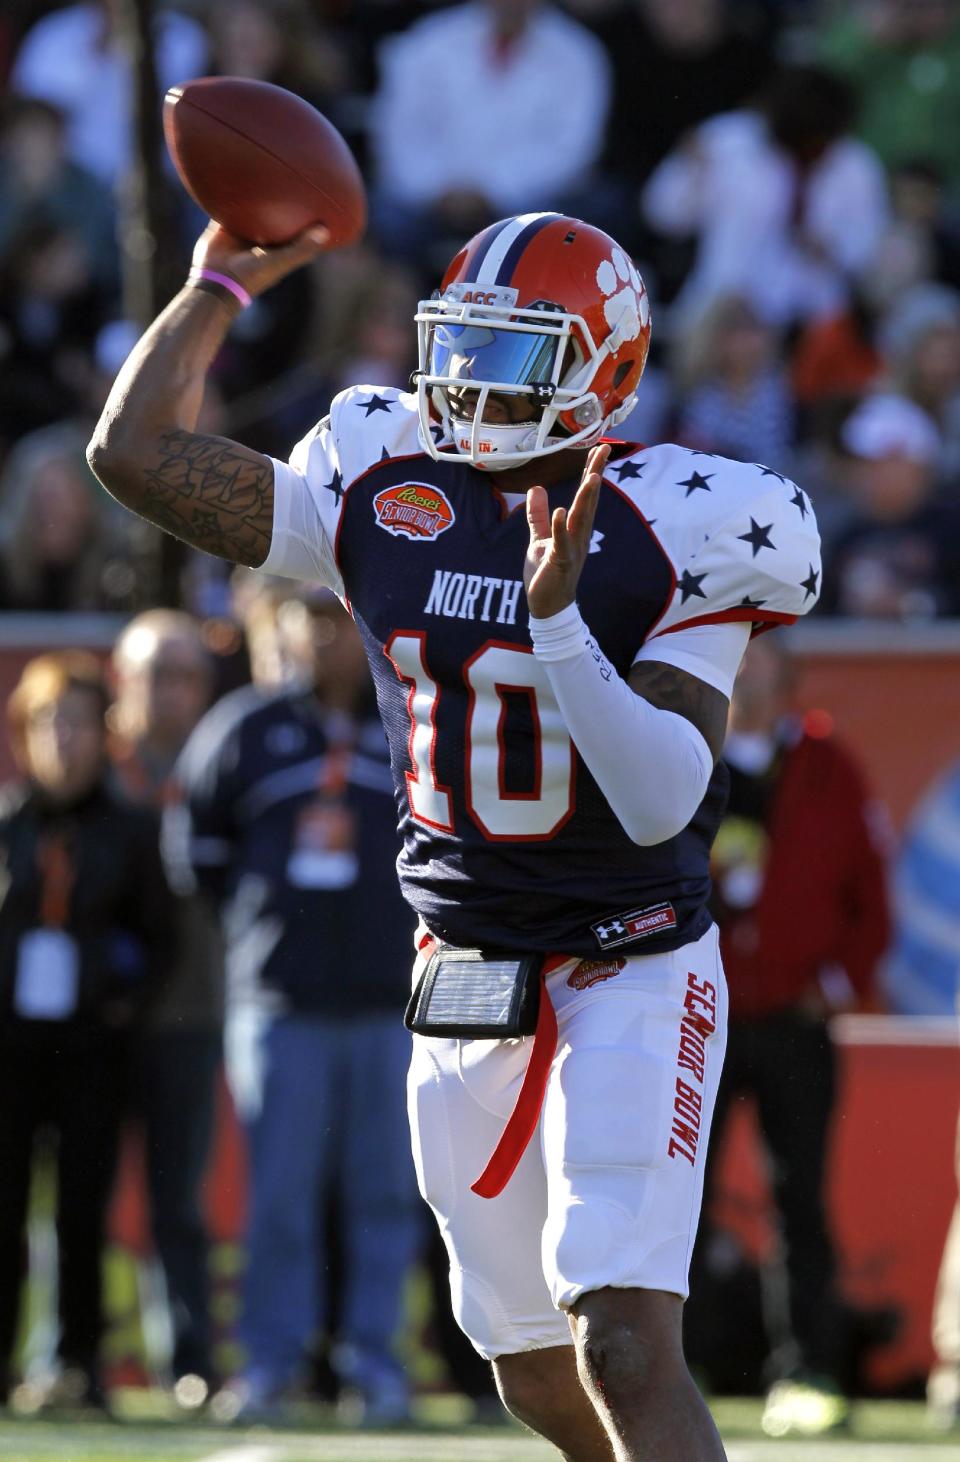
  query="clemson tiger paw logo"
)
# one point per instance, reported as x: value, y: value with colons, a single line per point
x: 625, y: 305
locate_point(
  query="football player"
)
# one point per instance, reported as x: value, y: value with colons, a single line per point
x: 554, y: 620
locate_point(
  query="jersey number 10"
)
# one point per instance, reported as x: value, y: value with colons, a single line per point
x: 500, y: 815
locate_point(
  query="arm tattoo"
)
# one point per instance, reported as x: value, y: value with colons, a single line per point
x: 670, y: 689
x: 212, y: 493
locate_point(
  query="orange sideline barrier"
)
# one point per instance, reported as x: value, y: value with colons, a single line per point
x: 899, y: 712
x: 891, y: 1186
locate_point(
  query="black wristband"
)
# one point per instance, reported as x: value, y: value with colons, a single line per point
x: 218, y: 292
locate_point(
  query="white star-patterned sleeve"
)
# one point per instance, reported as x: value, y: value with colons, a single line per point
x: 366, y: 425
x: 303, y: 533
x: 741, y: 539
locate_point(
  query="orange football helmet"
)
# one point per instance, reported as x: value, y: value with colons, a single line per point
x: 541, y: 306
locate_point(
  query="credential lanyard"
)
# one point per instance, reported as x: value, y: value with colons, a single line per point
x: 57, y: 880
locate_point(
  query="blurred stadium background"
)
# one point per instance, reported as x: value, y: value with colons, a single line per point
x: 832, y: 353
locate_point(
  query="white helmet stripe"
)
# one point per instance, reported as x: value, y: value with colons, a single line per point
x: 500, y: 248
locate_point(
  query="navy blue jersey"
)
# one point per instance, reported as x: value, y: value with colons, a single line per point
x: 286, y: 818
x: 507, y: 840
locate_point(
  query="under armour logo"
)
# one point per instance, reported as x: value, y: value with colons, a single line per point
x: 596, y: 538
x: 635, y: 924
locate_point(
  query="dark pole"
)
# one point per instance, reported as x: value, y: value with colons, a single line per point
x: 150, y: 249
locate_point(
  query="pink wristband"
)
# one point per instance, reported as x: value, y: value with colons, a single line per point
x: 235, y: 288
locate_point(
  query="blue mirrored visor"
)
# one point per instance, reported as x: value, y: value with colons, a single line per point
x: 486, y: 355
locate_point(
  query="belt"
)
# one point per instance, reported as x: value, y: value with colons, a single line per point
x: 522, y: 1122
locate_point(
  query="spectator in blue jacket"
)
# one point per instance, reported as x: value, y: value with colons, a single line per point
x: 287, y: 819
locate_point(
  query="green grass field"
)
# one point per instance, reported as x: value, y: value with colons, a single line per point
x: 880, y: 1432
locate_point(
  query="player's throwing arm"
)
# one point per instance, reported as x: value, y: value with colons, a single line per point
x: 273, y: 171
x: 213, y: 493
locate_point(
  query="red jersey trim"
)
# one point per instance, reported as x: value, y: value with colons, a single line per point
x: 767, y: 618
x: 631, y: 448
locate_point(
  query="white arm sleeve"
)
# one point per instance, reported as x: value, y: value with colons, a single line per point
x: 653, y: 766
x: 711, y: 652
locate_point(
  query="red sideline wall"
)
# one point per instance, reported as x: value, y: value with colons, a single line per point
x: 894, y: 694
x: 891, y: 1185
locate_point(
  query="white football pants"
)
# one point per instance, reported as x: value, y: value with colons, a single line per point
x: 608, y: 1192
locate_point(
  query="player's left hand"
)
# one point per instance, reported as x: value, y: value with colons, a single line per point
x: 559, y: 545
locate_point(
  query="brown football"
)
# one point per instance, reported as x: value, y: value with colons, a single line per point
x: 261, y: 161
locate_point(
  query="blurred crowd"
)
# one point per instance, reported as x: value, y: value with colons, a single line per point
x: 786, y: 176
x: 783, y: 171
x: 198, y: 882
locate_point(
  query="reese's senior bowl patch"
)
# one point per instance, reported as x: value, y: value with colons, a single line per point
x: 413, y: 510
x: 591, y: 971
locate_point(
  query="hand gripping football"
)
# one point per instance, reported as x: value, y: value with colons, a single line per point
x: 261, y: 161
